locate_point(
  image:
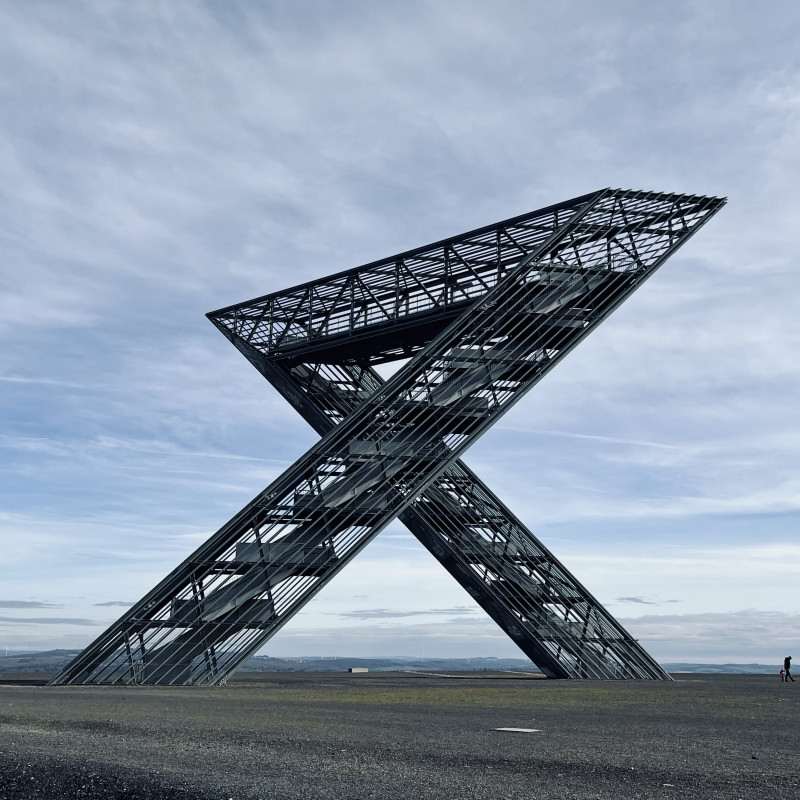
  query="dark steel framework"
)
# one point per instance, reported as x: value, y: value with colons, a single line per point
x: 482, y: 318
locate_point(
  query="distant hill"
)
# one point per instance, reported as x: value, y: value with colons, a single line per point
x: 398, y: 664
x: 727, y: 669
x: 55, y: 660
x: 48, y: 661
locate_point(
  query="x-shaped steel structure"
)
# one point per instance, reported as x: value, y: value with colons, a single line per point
x: 481, y: 317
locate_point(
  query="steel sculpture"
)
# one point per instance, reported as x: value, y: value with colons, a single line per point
x: 482, y: 317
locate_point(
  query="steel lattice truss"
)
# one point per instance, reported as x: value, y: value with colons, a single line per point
x: 483, y: 317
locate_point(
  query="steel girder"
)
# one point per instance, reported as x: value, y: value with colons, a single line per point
x: 485, y: 316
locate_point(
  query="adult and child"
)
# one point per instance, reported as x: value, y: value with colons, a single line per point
x: 785, y: 672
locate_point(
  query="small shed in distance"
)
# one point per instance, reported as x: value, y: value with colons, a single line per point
x: 358, y: 669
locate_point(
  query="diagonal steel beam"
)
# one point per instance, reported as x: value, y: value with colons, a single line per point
x: 392, y: 448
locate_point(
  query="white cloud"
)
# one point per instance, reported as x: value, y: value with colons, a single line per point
x: 711, y: 580
x: 739, y: 637
x: 457, y: 637
x: 163, y: 161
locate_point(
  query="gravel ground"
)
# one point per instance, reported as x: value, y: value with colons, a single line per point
x: 324, y: 735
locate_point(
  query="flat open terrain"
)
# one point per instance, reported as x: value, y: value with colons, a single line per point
x: 389, y: 736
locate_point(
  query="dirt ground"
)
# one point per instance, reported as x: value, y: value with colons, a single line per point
x: 325, y: 735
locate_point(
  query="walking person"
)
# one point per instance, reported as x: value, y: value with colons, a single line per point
x: 787, y: 663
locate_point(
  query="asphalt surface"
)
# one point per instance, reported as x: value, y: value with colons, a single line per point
x: 324, y: 735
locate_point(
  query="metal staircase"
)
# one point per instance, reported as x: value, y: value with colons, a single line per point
x: 482, y: 318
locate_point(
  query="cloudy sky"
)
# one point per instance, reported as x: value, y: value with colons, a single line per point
x: 161, y: 160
